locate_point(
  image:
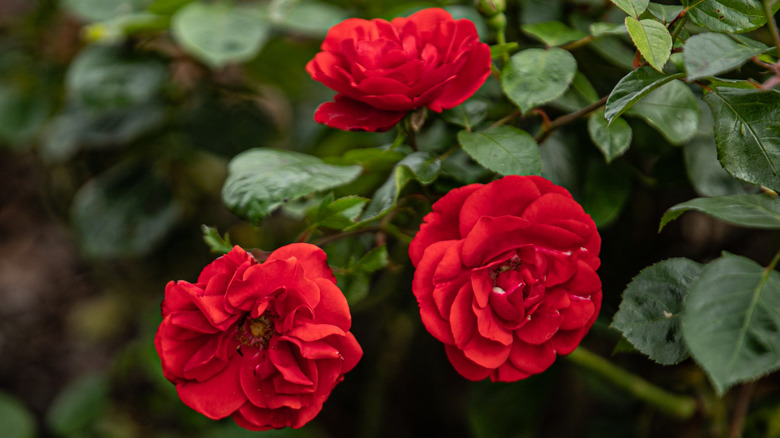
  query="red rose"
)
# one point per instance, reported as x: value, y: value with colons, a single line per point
x: 382, y: 70
x: 506, y: 276
x: 265, y: 343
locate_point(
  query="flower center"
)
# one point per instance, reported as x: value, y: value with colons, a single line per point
x: 516, y: 292
x: 256, y: 332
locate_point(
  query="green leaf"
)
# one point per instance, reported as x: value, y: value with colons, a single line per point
x: 612, y: 139
x: 731, y: 323
x: 17, y: 420
x: 649, y: 313
x: 468, y: 114
x: 752, y: 211
x: 374, y: 260
x: 579, y: 95
x: 727, y: 15
x: 664, y: 13
x: 606, y: 191
x: 672, y: 109
x: 633, y: 8
x: 421, y: 166
x: 536, y: 76
x: 633, y: 87
x: 261, y: 180
x: 503, y: 149
x: 341, y: 213
x: 167, y: 7
x: 125, y: 212
x: 306, y: 17
x: 499, y: 50
x: 216, y: 242
x: 747, y: 133
x: 220, y: 33
x: 100, y: 77
x: 600, y: 29
x: 22, y: 112
x: 116, y: 30
x: 652, y: 39
x: 78, y: 405
x: 553, y: 33
x: 709, y: 54
x: 705, y: 172
x: 99, y: 10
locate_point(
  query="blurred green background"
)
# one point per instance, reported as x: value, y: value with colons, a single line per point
x: 117, y: 120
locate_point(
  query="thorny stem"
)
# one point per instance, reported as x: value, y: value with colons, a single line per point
x: 568, y: 118
x: 740, y: 410
x: 772, y: 25
x: 679, y: 406
x: 681, y: 19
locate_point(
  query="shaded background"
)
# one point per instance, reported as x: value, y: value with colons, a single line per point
x: 113, y: 148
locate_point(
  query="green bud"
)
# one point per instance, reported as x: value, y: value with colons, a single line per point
x: 490, y: 8
x: 497, y: 22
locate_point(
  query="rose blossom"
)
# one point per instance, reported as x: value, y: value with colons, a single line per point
x: 382, y: 70
x: 506, y: 276
x: 264, y: 343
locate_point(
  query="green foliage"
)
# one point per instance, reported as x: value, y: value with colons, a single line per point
x: 649, y: 314
x: 536, y: 76
x: 17, y: 420
x: 727, y: 15
x: 633, y: 8
x: 709, y: 54
x: 754, y: 211
x: 217, y: 243
x: 746, y: 133
x: 78, y: 405
x: 652, y: 39
x: 503, y: 149
x: 613, y: 139
x: 553, y: 33
x: 730, y: 320
x: 672, y: 109
x: 261, y: 180
x: 633, y: 87
x: 219, y: 33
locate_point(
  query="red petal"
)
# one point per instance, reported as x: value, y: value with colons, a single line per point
x: 442, y: 222
x: 489, y: 327
x: 463, y: 322
x: 468, y: 80
x: 530, y: 358
x: 508, y: 373
x: 351, y: 115
x: 424, y: 291
x: 486, y: 353
x: 577, y: 314
x: 565, y: 341
x: 217, y: 397
x: 313, y: 259
x: 508, y: 196
x: 540, y: 327
x: 464, y: 366
x: 332, y: 308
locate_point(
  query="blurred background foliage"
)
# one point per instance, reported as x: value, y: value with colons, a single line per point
x: 117, y: 121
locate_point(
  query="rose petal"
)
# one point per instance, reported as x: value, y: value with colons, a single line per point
x: 313, y: 259
x: 351, y: 115
x: 577, y: 314
x: 539, y: 328
x: 531, y: 358
x: 218, y: 396
x: 464, y: 366
x: 508, y: 196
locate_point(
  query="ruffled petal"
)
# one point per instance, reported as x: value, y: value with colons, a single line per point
x: 352, y: 115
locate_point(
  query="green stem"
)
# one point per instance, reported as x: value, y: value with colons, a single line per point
x: 679, y: 27
x: 772, y: 25
x: 679, y: 406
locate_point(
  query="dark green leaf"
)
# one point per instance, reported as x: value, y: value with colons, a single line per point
x: 607, y: 188
x: 710, y: 54
x: 633, y: 87
x: 126, y: 212
x: 468, y: 114
x: 665, y: 13
x: 600, y: 29
x: 503, y: 149
x: 22, y: 113
x: 731, y: 321
x: 374, y: 260
x: 672, y: 109
x: 633, y: 8
x: 727, y: 15
x: 78, y: 404
x: 261, y: 180
x: 752, y: 211
x: 649, y: 314
x: 421, y: 166
x: 747, y: 133
x: 17, y: 420
x: 553, y: 33
x: 652, y: 39
x: 612, y: 139
x: 340, y: 213
x: 220, y: 33
x: 216, y: 242
x: 579, y: 95
x: 100, y: 77
x: 536, y: 76
x: 705, y: 172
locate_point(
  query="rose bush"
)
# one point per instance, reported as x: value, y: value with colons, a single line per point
x: 381, y: 70
x: 506, y: 276
x: 263, y: 343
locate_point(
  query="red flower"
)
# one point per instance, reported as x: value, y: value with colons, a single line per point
x: 382, y: 70
x: 265, y: 343
x: 506, y: 276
